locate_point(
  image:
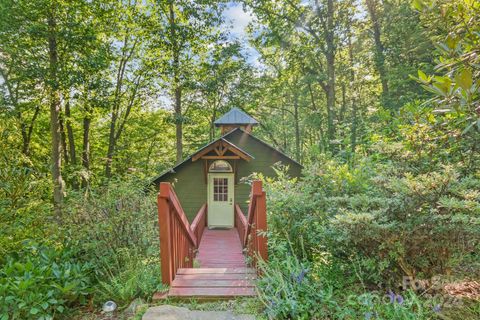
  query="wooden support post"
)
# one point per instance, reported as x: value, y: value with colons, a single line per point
x: 256, y: 188
x: 164, y: 229
x: 262, y: 226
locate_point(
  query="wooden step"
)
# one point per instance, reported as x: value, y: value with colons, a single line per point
x: 219, y: 276
x: 211, y: 283
x: 205, y: 283
x: 211, y: 292
x: 215, y: 270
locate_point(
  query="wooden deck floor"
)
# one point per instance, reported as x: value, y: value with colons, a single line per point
x: 223, y: 272
x: 221, y: 249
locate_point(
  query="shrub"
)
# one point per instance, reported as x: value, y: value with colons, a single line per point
x: 407, y: 221
x: 288, y: 290
x: 40, y: 282
x: 116, y: 229
x: 138, y: 279
x: 294, y: 289
x: 105, y: 248
x: 24, y: 205
x: 385, y: 224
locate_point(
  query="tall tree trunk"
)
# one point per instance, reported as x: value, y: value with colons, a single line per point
x: 27, y: 131
x: 71, y: 140
x: 25, y: 139
x: 178, y: 124
x: 372, y: 6
x: 330, y: 55
x: 297, y: 128
x: 58, y: 184
x: 212, y: 122
x: 63, y: 138
x: 112, y: 135
x: 343, y: 108
x: 86, y: 149
x: 353, y: 137
x: 355, y: 98
x: 111, y: 145
x: 177, y: 89
x: 321, y: 142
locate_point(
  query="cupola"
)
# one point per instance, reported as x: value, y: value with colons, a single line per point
x: 235, y: 118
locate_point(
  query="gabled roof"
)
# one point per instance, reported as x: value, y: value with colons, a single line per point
x: 235, y: 116
x: 172, y: 170
x: 222, y: 138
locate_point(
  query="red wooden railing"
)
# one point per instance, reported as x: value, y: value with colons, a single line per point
x: 199, y: 223
x: 177, y: 241
x: 240, y: 223
x: 252, y: 230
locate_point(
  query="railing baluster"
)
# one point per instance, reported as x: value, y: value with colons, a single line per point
x: 177, y: 241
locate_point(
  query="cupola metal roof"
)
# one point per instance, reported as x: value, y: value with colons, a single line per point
x: 235, y: 116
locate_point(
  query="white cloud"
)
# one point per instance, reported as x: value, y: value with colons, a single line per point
x: 238, y: 19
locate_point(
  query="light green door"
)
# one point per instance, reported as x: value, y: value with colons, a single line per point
x: 220, y: 200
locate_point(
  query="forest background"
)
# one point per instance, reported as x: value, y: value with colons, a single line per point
x: 379, y: 100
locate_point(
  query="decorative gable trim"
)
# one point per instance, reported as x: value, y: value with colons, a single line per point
x: 221, y: 149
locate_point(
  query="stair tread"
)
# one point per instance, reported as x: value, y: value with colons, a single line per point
x: 200, y: 283
x: 218, y: 276
x: 240, y: 270
x: 212, y: 292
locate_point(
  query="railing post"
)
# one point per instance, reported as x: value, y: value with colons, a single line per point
x: 262, y: 226
x: 165, y: 237
x: 256, y: 188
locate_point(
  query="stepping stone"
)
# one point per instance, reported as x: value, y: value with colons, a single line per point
x: 167, y: 312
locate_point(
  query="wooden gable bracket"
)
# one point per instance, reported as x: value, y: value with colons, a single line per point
x: 220, y: 148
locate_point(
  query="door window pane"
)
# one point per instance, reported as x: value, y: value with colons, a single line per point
x: 220, y: 189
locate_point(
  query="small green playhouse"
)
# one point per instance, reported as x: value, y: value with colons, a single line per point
x: 213, y: 174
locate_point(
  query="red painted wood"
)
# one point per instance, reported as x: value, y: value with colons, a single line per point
x: 165, y: 238
x: 241, y: 270
x: 255, y: 239
x: 177, y: 241
x: 220, y: 292
x: 207, y: 283
x: 220, y: 248
x: 220, y: 276
x: 240, y: 223
x: 182, y: 217
x: 199, y: 223
x: 213, y: 282
x: 223, y: 271
x: 261, y: 224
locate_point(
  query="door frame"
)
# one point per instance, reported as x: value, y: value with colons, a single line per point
x: 231, y: 182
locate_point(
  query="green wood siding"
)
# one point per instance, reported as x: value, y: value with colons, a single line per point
x: 189, y: 185
x: 189, y: 180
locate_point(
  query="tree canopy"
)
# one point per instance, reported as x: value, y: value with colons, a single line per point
x: 378, y: 100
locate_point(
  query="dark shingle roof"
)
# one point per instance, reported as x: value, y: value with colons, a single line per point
x: 235, y: 116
